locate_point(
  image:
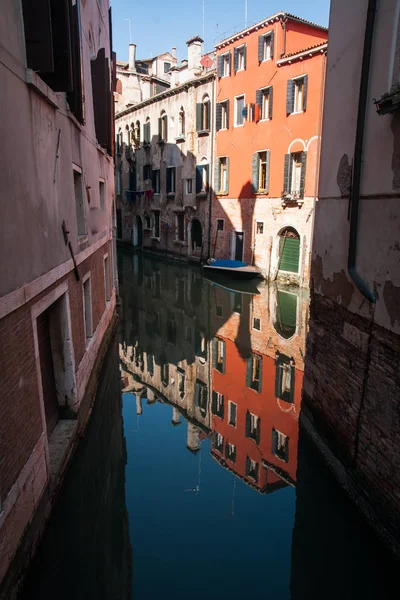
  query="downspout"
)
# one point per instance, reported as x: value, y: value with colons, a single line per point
x: 358, y: 155
x: 283, y: 23
x: 212, y: 170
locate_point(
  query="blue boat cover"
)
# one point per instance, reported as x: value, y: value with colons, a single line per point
x: 232, y: 264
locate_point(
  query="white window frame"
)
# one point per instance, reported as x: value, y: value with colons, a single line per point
x: 295, y: 80
x: 260, y: 162
x: 226, y: 64
x: 223, y: 224
x: 187, y: 182
x: 102, y: 193
x: 236, y: 109
x: 253, y: 327
x: 261, y: 223
x: 241, y: 52
x: 223, y: 189
x: 87, y: 307
x: 267, y: 38
x: 295, y: 167
x: 265, y: 92
x: 224, y: 114
x: 230, y: 403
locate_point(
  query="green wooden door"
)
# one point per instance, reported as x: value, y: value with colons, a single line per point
x: 289, y: 253
x: 286, y: 312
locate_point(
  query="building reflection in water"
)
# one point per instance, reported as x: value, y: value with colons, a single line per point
x: 230, y: 363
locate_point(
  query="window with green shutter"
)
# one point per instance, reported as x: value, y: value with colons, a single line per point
x: 280, y: 445
x: 285, y: 376
x: 289, y: 250
x: 254, y: 372
x: 286, y: 314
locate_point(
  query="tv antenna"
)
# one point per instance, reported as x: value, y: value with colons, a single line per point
x: 130, y: 29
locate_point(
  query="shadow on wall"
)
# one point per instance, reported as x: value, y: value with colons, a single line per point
x: 86, y: 551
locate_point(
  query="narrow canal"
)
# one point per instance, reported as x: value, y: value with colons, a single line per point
x: 195, y: 481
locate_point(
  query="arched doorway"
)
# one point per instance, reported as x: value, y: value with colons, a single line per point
x: 138, y: 233
x: 289, y: 250
x: 196, y: 238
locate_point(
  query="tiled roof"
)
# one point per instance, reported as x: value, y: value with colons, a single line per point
x: 315, y: 46
x: 274, y: 17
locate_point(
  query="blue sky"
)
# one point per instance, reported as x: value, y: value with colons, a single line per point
x: 157, y: 28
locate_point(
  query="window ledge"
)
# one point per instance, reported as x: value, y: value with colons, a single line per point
x: 156, y: 195
x: 157, y: 239
x: 203, y: 133
x: 296, y: 112
x: 241, y: 125
x: 82, y: 239
x: 37, y: 83
x: 221, y: 193
x: 261, y: 193
x: 171, y: 195
x: 146, y: 144
x: 147, y: 229
x: 265, y: 120
x: 180, y: 138
x: 202, y: 195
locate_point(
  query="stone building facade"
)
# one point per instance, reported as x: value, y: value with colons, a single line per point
x: 352, y: 378
x: 164, y: 164
x: 270, y: 82
x: 57, y: 289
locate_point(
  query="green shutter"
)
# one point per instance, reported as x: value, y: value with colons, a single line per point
x: 268, y: 153
x: 222, y: 411
x: 245, y: 56
x: 218, y: 117
x: 289, y: 254
x: 217, y: 182
x: 254, y: 176
x: 260, y: 48
x: 259, y: 98
x: 278, y: 379
x: 249, y: 369
x: 220, y: 66
x: 168, y: 180
x: 303, y: 173
x: 258, y: 433
x: 166, y: 127
x: 290, y: 97
x: 199, y: 178
x: 199, y: 116
x: 208, y: 116
x: 272, y: 44
x: 196, y: 394
x: 274, y: 441
x: 229, y: 62
x: 207, y: 168
x: 160, y: 129
x: 235, y: 59
x: 287, y: 183
x: 305, y: 92
x: 248, y: 424
x: 227, y: 114
x: 227, y: 184
x: 214, y: 403
x: 286, y: 314
x: 271, y: 100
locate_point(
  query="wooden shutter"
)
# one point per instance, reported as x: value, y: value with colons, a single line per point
x: 76, y: 98
x: 165, y: 119
x: 305, y: 89
x: 197, y: 394
x: 289, y: 254
x: 214, y: 403
x: 101, y: 99
x: 217, y: 182
x: 218, y: 117
x: 215, y: 351
x: 235, y: 59
x: 245, y: 56
x: 278, y: 379
x: 207, y: 124
x: 249, y: 371
x: 261, y: 48
x: 261, y: 374
x: 274, y: 447
x: 248, y: 424
x: 227, y: 114
x: 60, y: 80
x: 199, y: 116
x: 290, y: 97
x: 227, y: 190
x: 255, y: 174
x: 271, y: 101
x: 287, y: 180
x: 220, y: 66
x: 259, y: 96
x: 160, y: 129
x: 272, y: 44
x: 267, y: 169
x: 199, y: 178
x: 303, y: 173
x: 258, y: 432
x: 168, y: 180
x: 207, y: 168
x: 245, y: 112
x: 229, y: 62
x: 38, y: 35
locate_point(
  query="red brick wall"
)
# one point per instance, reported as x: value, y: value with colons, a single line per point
x: 20, y: 419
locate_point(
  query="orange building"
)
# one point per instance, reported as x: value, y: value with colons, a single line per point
x: 268, y: 121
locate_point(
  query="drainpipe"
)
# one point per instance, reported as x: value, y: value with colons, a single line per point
x: 358, y: 155
x: 283, y: 23
x: 212, y: 169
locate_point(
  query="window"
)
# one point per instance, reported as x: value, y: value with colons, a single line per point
x: 188, y: 186
x: 156, y: 224
x: 284, y: 378
x: 182, y: 123
x: 280, y: 445
x: 239, y: 58
x: 171, y: 180
x: 220, y: 224
x: 147, y: 132
x: 171, y: 329
x: 237, y: 303
x: 127, y: 136
x: 257, y: 323
x: 203, y: 115
x: 87, y: 307
x: 217, y: 442
x: 200, y: 343
x: 180, y: 227
x: 254, y: 372
x: 218, y: 404
x: 188, y: 334
x: 259, y: 227
x: 181, y: 382
x: 155, y: 177
x: 264, y: 100
x: 79, y: 203
x: 232, y: 413
x: 224, y: 65
x: 102, y: 194
x: 222, y: 115
x: 167, y: 67
x: 201, y: 397
x: 296, y: 96
x: 266, y: 47
x: 239, y: 111
x: 147, y: 222
x: 163, y: 127
x: 202, y: 177
x: 219, y: 310
x: 150, y: 364
x: 295, y: 174
x: 146, y: 172
x: 107, y: 278
x: 253, y: 427
x: 165, y: 373
x: 230, y: 452
x: 219, y: 355
x: 252, y: 468
x: 137, y: 134
x: 260, y: 171
x: 222, y: 175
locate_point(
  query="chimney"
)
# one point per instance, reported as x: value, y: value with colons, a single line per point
x: 132, y: 57
x: 173, y: 52
x: 194, y: 52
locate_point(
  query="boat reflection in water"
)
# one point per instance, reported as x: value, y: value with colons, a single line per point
x: 230, y: 366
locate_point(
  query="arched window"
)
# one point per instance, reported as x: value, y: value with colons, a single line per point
x: 127, y: 136
x: 206, y: 112
x: 132, y: 140
x: 182, y: 124
x: 202, y: 176
x: 289, y: 250
x: 137, y: 134
x: 163, y: 127
x: 118, y: 87
x: 147, y: 131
